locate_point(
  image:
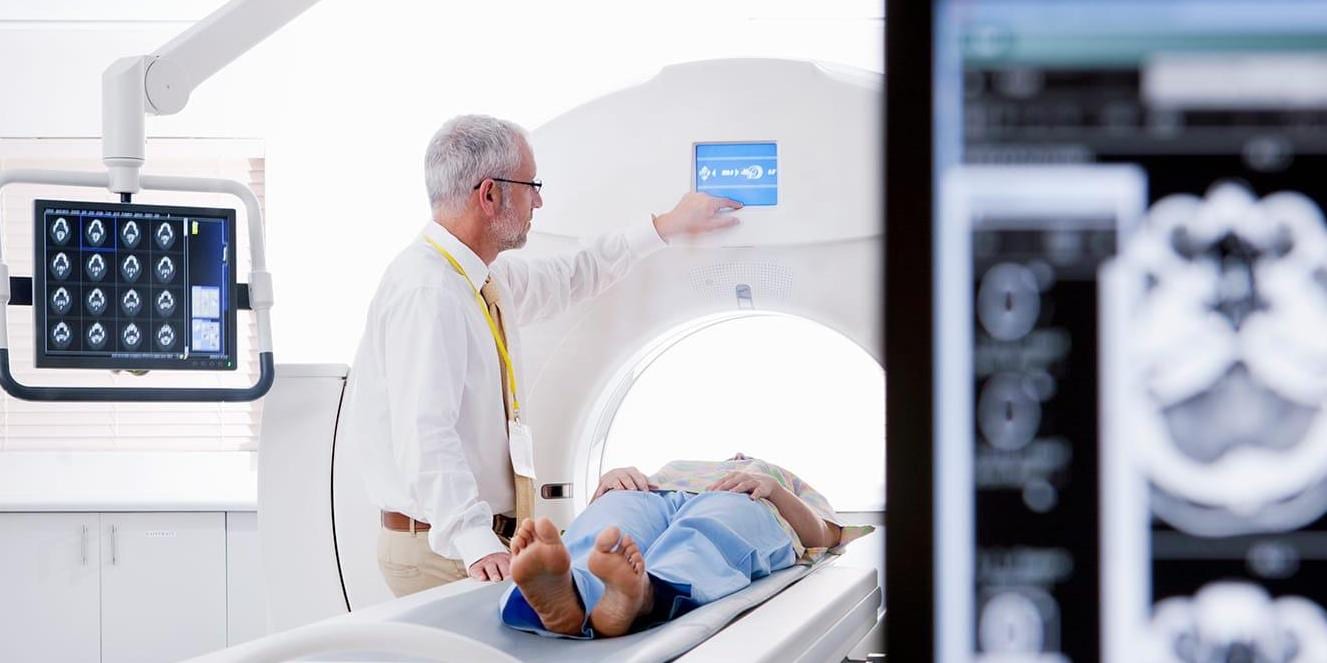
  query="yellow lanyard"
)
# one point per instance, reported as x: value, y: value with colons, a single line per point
x: 492, y: 327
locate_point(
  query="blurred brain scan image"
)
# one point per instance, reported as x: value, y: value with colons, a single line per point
x: 1226, y: 372
x: 165, y: 303
x: 131, y: 302
x: 1019, y: 625
x: 96, y: 232
x: 61, y: 335
x: 96, y: 336
x: 165, y: 337
x: 165, y: 235
x: 131, y: 268
x: 131, y: 336
x: 96, y: 302
x: 165, y: 269
x: 1236, y: 621
x: 96, y: 267
x: 60, y: 231
x: 130, y: 235
x: 60, y: 266
x: 60, y: 301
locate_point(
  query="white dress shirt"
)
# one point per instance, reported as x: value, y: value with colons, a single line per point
x: 424, y: 410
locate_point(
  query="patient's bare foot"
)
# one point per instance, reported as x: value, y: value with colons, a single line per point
x: 541, y: 567
x: 627, y: 590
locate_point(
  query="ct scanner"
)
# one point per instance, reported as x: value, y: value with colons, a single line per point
x: 817, y: 254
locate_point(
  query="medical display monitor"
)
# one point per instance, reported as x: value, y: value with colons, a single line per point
x: 746, y: 172
x: 123, y: 286
x: 1131, y: 293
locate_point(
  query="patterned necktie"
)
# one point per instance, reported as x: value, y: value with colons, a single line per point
x: 524, y: 485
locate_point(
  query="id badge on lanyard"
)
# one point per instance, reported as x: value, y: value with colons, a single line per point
x: 522, y: 448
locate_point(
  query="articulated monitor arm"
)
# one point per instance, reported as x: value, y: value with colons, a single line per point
x: 160, y: 83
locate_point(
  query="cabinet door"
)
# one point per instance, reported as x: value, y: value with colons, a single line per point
x: 246, y: 599
x: 163, y: 586
x: 48, y: 587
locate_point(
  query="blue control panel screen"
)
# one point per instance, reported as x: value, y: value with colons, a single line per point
x: 747, y: 172
x: 125, y: 286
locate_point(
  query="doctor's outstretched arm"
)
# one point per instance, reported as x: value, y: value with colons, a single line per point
x: 543, y: 287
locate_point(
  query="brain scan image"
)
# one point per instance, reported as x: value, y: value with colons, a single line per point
x: 165, y: 303
x: 132, y: 336
x: 60, y: 231
x: 96, y: 302
x: 97, y: 336
x: 165, y: 336
x: 60, y: 266
x: 165, y: 235
x: 131, y: 302
x: 96, y: 267
x: 130, y: 234
x: 1225, y: 360
x: 131, y: 268
x: 95, y: 232
x: 1230, y: 621
x: 165, y: 269
x: 61, y: 301
x: 61, y: 335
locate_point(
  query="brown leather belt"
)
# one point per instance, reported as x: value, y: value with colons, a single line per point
x: 399, y: 522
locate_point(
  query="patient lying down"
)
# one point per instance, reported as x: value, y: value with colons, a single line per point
x: 649, y: 549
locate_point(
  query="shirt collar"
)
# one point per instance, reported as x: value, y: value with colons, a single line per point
x: 475, y: 269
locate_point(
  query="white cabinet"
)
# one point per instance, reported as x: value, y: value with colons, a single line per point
x: 49, y: 587
x: 163, y: 586
x: 127, y: 587
x: 246, y: 597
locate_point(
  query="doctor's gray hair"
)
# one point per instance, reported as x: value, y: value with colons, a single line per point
x: 467, y: 149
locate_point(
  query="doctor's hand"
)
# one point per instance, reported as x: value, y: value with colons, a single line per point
x: 756, y: 485
x: 695, y: 214
x: 492, y: 568
x: 622, y: 478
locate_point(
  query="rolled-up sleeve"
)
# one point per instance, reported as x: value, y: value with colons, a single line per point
x: 425, y: 367
x: 544, y: 287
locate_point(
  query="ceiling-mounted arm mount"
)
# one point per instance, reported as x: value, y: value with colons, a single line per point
x: 160, y: 83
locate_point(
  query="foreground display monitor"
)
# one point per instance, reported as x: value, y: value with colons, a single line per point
x: 1130, y: 295
x: 135, y: 287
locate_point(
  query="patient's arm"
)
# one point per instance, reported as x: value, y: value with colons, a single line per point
x: 813, y: 530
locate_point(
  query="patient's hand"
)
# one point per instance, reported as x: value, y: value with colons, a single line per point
x: 622, y: 478
x: 756, y: 485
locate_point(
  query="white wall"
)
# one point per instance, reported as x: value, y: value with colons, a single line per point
x: 346, y: 97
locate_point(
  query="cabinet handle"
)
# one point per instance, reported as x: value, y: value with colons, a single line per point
x: 113, y: 546
x: 84, y: 546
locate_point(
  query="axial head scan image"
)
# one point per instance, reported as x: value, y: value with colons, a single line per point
x: 165, y: 336
x: 131, y: 336
x: 60, y: 231
x: 165, y: 303
x: 131, y: 302
x: 61, y: 335
x: 96, y: 267
x: 60, y: 266
x: 96, y: 300
x: 165, y: 269
x: 95, y: 232
x: 1236, y: 621
x: 165, y: 235
x: 97, y: 336
x: 61, y: 300
x: 1224, y: 362
x: 131, y: 268
x: 130, y: 234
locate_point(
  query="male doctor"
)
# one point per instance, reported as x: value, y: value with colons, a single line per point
x: 433, y: 404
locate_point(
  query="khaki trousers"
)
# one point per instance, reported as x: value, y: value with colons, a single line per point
x: 409, y: 565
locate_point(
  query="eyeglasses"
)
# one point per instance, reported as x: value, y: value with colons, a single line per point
x: 537, y: 184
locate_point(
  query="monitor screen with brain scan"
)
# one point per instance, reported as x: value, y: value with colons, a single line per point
x: 745, y: 172
x: 1131, y: 286
x: 123, y: 286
